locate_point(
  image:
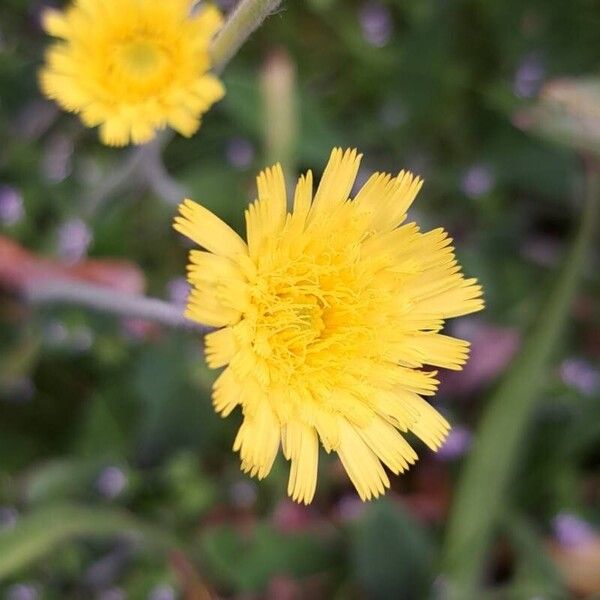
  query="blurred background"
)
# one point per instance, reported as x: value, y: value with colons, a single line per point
x: 117, y: 479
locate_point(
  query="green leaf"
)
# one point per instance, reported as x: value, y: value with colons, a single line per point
x: 45, y: 530
x: 536, y: 574
x: 57, y: 479
x: 172, y: 413
x: 391, y: 553
x: 481, y: 491
x: 100, y: 435
x: 248, y: 562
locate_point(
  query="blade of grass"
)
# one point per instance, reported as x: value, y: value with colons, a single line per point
x: 483, y: 484
x: 536, y: 575
x: 45, y: 530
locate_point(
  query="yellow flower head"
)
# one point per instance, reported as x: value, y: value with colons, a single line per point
x: 326, y: 317
x: 132, y: 66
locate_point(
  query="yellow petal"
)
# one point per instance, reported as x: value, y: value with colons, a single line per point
x: 203, y: 307
x: 210, y: 89
x: 301, y: 446
x: 337, y: 181
x: 258, y: 440
x: 207, y: 230
x: 388, y: 444
x: 220, y: 347
x: 265, y: 217
x: 115, y: 131
x: 440, y: 350
x: 430, y: 426
x: 462, y: 299
x: 361, y: 464
x: 208, y: 268
x: 208, y: 21
x: 392, y: 210
x: 54, y: 23
x: 226, y: 394
x: 303, y: 197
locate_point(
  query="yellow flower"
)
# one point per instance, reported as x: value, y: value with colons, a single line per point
x: 326, y: 317
x: 132, y: 66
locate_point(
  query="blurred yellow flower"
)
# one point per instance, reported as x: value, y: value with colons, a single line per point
x: 326, y: 317
x: 132, y: 66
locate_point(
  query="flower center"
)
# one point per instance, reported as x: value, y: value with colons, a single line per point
x: 141, y: 57
x: 310, y: 315
x: 288, y: 322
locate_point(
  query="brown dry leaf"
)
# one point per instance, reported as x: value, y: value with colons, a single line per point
x: 579, y: 565
x: 20, y: 268
x: 191, y: 583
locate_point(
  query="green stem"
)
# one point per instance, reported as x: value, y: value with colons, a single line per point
x: 244, y: 20
x: 482, y: 489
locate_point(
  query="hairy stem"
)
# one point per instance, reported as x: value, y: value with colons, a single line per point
x: 102, y: 299
x: 245, y: 19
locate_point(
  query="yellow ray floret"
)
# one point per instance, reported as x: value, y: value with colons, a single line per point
x: 329, y: 318
x: 132, y: 66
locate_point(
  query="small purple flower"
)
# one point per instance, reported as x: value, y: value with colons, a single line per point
x: 572, y: 531
x: 458, y: 443
x: 74, y: 238
x: 226, y: 5
x: 8, y: 518
x: 529, y: 77
x: 239, y: 153
x: 56, y: 162
x: 55, y: 333
x: 178, y: 290
x: 376, y: 23
x: 581, y: 375
x: 112, y: 594
x: 111, y: 482
x: 17, y: 390
x: 477, y: 181
x: 11, y: 205
x: 542, y: 250
x: 162, y: 592
x: 349, y: 508
x: 243, y: 494
x: 393, y: 114
x: 82, y: 339
x: 35, y: 118
x: 103, y: 572
x: 22, y: 591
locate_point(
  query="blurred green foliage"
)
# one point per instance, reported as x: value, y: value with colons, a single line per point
x: 111, y: 457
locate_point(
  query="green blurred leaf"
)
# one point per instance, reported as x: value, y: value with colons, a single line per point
x: 20, y: 358
x: 58, y: 479
x: 247, y: 563
x: 45, y: 530
x: 191, y: 491
x: 100, y: 435
x: 391, y: 553
x: 536, y: 575
x: 482, y: 489
x: 172, y: 412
